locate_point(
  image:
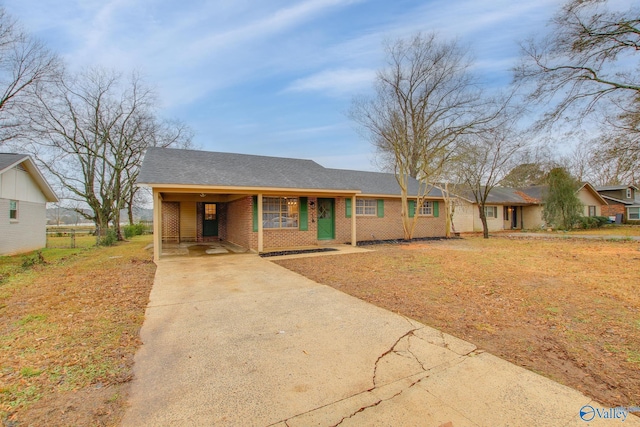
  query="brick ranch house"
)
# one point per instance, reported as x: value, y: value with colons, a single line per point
x: 269, y: 203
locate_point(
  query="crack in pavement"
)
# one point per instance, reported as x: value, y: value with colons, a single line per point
x: 390, y: 350
x: 379, y: 401
x: 409, y: 334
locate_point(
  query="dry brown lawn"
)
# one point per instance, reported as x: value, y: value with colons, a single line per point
x: 566, y: 308
x: 68, y: 332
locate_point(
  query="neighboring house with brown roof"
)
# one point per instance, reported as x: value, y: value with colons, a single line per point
x: 516, y: 208
x: 623, y: 200
x: 268, y: 203
x: 24, y: 193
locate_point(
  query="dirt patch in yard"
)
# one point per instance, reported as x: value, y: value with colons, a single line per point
x: 69, y: 328
x: 569, y: 310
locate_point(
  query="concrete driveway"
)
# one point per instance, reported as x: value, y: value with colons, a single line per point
x: 236, y: 340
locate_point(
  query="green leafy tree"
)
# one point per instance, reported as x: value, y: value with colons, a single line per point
x: 562, y: 207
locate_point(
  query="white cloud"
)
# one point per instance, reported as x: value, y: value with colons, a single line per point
x: 336, y: 82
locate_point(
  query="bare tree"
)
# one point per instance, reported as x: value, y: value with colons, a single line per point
x: 426, y: 98
x: 589, y: 61
x: 91, y: 133
x: 485, y: 159
x: 167, y: 133
x: 25, y: 65
x: 605, y: 160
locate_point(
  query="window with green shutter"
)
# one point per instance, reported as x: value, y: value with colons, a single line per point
x: 347, y: 204
x: 380, y: 208
x: 412, y: 208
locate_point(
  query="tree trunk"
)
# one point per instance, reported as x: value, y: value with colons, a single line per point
x: 130, y: 213
x: 116, y: 225
x: 483, y: 219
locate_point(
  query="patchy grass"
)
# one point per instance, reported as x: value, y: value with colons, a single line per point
x: 68, y: 332
x: 569, y: 309
x: 66, y: 240
x: 623, y: 230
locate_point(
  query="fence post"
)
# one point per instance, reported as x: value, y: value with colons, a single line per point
x: 72, y: 234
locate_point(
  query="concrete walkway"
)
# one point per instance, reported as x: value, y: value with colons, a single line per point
x: 236, y: 340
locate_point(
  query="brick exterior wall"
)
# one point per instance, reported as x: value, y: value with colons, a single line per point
x: 612, y: 210
x: 170, y: 221
x: 239, y: 223
x: 387, y: 227
x: 235, y: 225
x: 287, y: 238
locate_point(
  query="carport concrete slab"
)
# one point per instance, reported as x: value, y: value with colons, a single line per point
x: 237, y: 340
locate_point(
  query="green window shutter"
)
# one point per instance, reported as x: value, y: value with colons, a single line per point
x: 304, y: 222
x: 436, y: 209
x: 380, y: 208
x: 347, y: 204
x: 412, y: 208
x: 255, y: 213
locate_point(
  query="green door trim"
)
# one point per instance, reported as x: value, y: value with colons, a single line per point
x: 326, y: 219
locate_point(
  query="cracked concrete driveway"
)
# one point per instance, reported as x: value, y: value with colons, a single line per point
x: 236, y: 340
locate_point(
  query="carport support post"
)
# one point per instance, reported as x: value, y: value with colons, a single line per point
x: 157, y: 225
x: 260, y: 228
x: 353, y: 221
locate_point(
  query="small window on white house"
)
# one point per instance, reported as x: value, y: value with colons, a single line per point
x: 13, y: 210
x: 628, y: 193
x: 592, y: 211
x: 366, y: 207
x: 633, y: 213
x: 491, y: 211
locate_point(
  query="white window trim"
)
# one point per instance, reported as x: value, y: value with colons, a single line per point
x: 291, y: 223
x: 494, y: 209
x: 629, y: 213
x: 426, y: 209
x: 17, y: 210
x: 628, y: 193
x: 362, y: 209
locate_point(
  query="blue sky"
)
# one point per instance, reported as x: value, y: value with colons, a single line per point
x: 273, y: 77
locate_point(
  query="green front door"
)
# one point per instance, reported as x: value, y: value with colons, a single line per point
x: 326, y: 219
x: 210, y: 220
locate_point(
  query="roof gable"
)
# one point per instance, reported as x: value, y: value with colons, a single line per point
x: 10, y: 160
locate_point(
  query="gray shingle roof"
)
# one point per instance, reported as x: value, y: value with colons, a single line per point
x: 614, y: 187
x: 508, y: 195
x: 7, y: 159
x: 378, y: 183
x: 189, y: 167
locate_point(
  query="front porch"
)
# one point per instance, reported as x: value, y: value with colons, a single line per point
x: 187, y: 222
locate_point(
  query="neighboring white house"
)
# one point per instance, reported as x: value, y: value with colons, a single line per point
x: 24, y: 194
